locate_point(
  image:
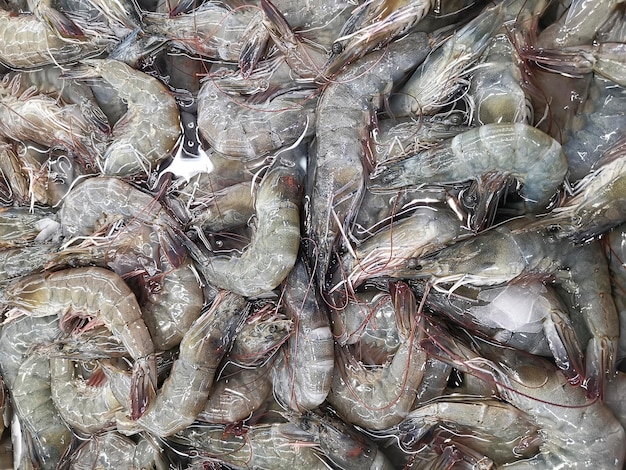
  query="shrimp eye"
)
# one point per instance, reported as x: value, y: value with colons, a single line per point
x: 337, y: 48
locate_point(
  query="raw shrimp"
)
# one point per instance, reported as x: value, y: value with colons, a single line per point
x: 279, y: 446
x: 100, y: 294
x: 240, y: 129
x: 185, y: 392
x: 20, y: 226
x: 260, y: 337
x: 529, y: 317
x: 149, y: 130
x: 615, y: 243
x: 110, y: 450
x: 237, y: 394
x: 513, y: 250
x: 533, y: 158
x: 88, y: 408
x: 31, y: 396
x: 303, y: 372
x: 27, y: 43
x: 104, y: 200
x: 373, y: 25
x: 32, y: 116
x: 440, y: 76
x: 275, y: 243
x: 426, y: 230
x: 598, y: 202
x: 343, y: 445
x: 345, y: 110
x: 230, y: 207
x: 380, y: 397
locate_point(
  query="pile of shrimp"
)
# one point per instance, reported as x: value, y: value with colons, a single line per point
x: 334, y: 234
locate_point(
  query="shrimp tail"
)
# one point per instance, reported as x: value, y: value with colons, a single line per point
x: 600, y: 363
x: 255, y: 39
x: 58, y: 21
x: 573, y: 64
x: 143, y: 385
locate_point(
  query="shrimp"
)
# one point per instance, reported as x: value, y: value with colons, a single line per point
x: 186, y: 390
x: 598, y: 202
x: 239, y: 129
x: 230, y: 207
x: 39, y: 46
x: 260, y: 337
x: 513, y: 250
x: 109, y: 450
x: 373, y: 25
x: 615, y: 243
x: 104, y: 200
x: 534, y: 159
x: 380, y: 397
x: 102, y: 295
x: 567, y: 420
x: 303, y: 373
x: 82, y: 406
x: 424, y: 93
x: 343, y: 445
x: 31, y: 395
x: 33, y: 116
x: 236, y: 395
x: 426, y: 230
x: 344, y: 112
x: 20, y: 226
x: 149, y: 130
x: 274, y: 247
x: 529, y: 317
x: 279, y: 446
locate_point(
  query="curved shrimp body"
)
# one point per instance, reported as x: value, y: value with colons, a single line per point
x: 96, y: 292
x: 303, y: 374
x: 32, y: 116
x: 424, y: 93
x: 380, y: 397
x: 32, y: 398
x: 343, y: 116
x: 275, y: 243
x: 239, y: 129
x: 147, y: 133
x: 211, y: 30
x: 598, y: 203
x: 527, y: 154
x: 27, y: 43
x: 498, y: 429
x: 104, y: 200
x: 185, y: 392
x: 280, y: 446
x: 496, y: 85
x: 86, y: 408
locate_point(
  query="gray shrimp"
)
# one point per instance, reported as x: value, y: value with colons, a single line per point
x: 82, y: 406
x: 303, y: 372
x: 184, y: 393
x: 534, y: 159
x: 148, y: 132
x: 515, y: 250
x: 276, y: 240
x: 247, y: 130
x: 440, y: 76
x: 37, y: 45
x: 379, y: 397
x: 34, y: 116
x: 32, y: 398
x: 279, y: 446
x: 344, y: 112
x: 237, y: 394
x: 100, y: 294
x: 105, y: 200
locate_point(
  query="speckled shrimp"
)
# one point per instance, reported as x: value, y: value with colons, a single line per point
x: 100, y: 294
x: 344, y: 113
x: 149, y: 130
x: 275, y: 243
